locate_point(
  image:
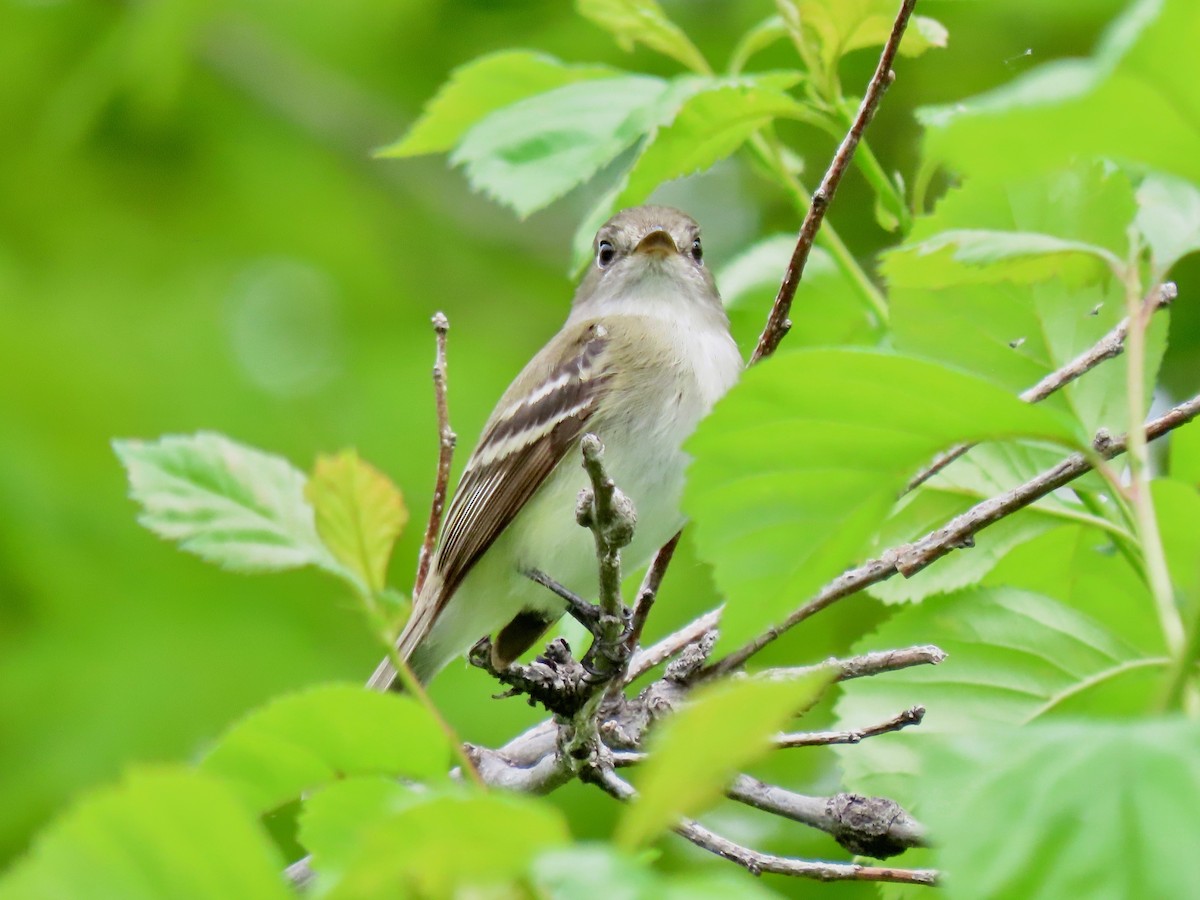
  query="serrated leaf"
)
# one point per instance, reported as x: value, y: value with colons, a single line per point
x: 530, y: 153
x: 643, y: 22
x: 436, y: 844
x: 359, y: 514
x: 1090, y: 809
x: 797, y: 466
x: 480, y: 87
x: 307, y: 739
x: 1168, y: 218
x: 228, y: 503
x: 159, y: 832
x: 695, y: 753
x: 708, y: 127
x: 1013, y: 657
x: 1069, y: 105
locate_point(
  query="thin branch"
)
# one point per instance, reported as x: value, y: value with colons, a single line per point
x: 778, y: 323
x: 959, y: 532
x: 1108, y: 347
x: 446, y: 441
x: 911, y: 716
x: 758, y: 863
x: 863, y: 666
x: 649, y: 589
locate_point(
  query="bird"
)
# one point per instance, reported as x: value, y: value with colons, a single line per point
x: 644, y: 354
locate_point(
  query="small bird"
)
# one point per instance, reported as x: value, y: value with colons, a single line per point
x: 643, y: 356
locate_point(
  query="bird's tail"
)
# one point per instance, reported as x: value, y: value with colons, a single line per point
x: 408, y: 645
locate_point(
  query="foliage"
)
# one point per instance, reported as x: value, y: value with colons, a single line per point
x: 1056, y: 218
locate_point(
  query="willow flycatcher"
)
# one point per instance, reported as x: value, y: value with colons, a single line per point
x: 644, y: 354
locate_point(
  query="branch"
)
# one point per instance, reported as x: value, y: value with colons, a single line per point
x: 778, y: 323
x: 1108, y: 347
x: 757, y: 863
x: 610, y: 516
x: 869, y: 826
x: 868, y: 664
x: 909, y: 559
x: 691, y: 633
x: 911, y: 716
x: 446, y: 442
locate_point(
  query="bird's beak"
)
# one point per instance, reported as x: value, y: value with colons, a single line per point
x: 657, y: 243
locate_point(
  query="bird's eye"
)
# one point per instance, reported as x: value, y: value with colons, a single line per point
x: 697, y: 250
x: 605, y: 254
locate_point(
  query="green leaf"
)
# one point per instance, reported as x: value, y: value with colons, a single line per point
x: 1012, y: 333
x: 430, y: 844
x: 695, y: 753
x: 643, y: 21
x: 1177, y: 507
x: 530, y: 153
x: 335, y: 815
x: 160, y: 832
x: 1014, y: 657
x: 1020, y: 256
x: 483, y: 86
x: 1069, y: 105
x: 359, y: 513
x: 228, y: 503
x: 708, y: 127
x: 1185, y: 455
x: 307, y: 739
x: 1168, y: 218
x: 796, y: 467
x: 1089, y: 809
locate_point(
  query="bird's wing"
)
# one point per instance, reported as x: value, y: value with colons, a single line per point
x: 537, y: 421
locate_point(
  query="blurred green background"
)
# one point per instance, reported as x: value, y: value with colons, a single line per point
x: 193, y: 235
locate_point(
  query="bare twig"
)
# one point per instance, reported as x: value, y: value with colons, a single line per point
x: 649, y: 589
x: 863, y: 666
x: 958, y: 532
x: 911, y: 716
x: 446, y: 442
x: 778, y: 323
x: 1108, y: 347
x: 758, y: 863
